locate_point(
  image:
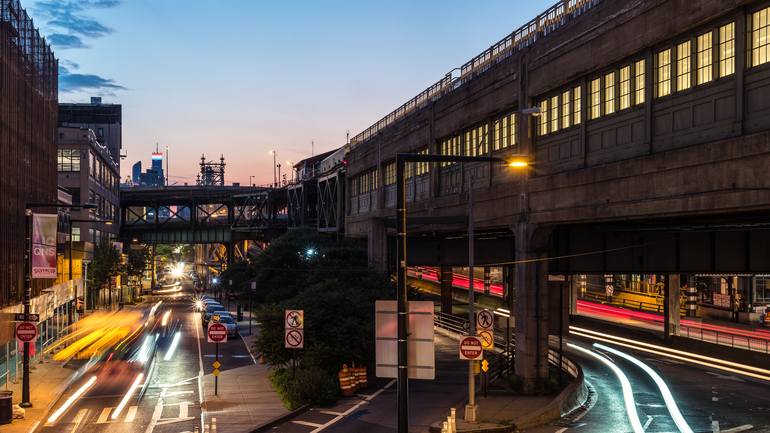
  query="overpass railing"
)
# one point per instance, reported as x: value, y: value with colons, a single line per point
x: 729, y: 339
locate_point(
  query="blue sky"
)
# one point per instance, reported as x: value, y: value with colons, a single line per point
x: 241, y: 77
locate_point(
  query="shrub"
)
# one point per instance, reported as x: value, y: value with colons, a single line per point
x: 308, y: 385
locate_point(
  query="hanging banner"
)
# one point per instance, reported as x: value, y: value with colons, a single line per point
x: 44, y: 245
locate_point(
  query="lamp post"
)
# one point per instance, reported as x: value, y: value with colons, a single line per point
x: 279, y: 172
x: 275, y: 175
x: 251, y: 182
x: 27, y: 299
x: 401, y: 271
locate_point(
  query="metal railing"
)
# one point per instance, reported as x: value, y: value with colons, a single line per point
x: 726, y: 339
x: 553, y: 18
x: 627, y: 303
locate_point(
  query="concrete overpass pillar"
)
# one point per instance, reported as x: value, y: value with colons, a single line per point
x: 531, y: 311
x: 378, y: 245
x: 445, y: 279
x: 671, y: 306
x: 574, y: 290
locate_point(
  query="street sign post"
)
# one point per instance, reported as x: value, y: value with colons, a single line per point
x: 216, y: 333
x: 26, y: 332
x: 294, y: 329
x: 21, y: 317
x: 485, y: 328
x: 471, y: 348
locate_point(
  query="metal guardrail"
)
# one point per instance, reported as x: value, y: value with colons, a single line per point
x: 628, y: 303
x: 725, y: 339
x: 553, y: 18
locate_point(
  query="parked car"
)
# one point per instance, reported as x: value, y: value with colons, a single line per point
x: 213, y: 309
x: 232, y: 327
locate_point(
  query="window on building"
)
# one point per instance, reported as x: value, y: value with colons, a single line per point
x: 390, y: 173
x: 476, y: 141
x: 683, y: 61
x: 565, y: 109
x: 424, y: 166
x: 704, y: 58
x: 639, y: 82
x: 92, y: 165
x: 75, y: 234
x: 450, y: 146
x: 576, y: 106
x: 68, y: 160
x: 554, y: 113
x: 609, y: 93
x: 760, y: 37
x: 596, y: 101
x: 625, y: 87
x: 727, y: 50
x: 543, y: 118
x: 663, y: 76
x: 504, y: 129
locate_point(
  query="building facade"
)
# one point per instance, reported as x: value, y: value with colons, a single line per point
x: 106, y: 120
x: 28, y: 116
x: 90, y: 174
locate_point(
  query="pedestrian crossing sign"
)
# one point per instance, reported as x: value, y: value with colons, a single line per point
x: 216, y: 364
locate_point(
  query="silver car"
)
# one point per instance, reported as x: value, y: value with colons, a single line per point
x: 232, y: 327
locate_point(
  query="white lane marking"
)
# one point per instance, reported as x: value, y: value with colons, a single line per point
x: 330, y: 412
x: 715, y: 426
x: 156, y: 413
x: 726, y: 377
x: 648, y: 422
x: 200, y: 376
x: 131, y: 414
x: 740, y: 428
x: 308, y: 423
x: 34, y: 426
x: 714, y: 398
x: 183, y: 409
x: 78, y: 419
x: 103, y: 416
x: 353, y: 408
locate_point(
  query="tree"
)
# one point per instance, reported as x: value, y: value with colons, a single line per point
x: 106, y: 263
x: 137, y: 262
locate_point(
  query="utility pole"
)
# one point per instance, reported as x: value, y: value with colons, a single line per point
x: 470, y: 408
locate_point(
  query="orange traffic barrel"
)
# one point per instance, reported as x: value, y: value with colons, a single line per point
x: 347, y: 384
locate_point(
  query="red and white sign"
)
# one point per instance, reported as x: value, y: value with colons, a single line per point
x: 471, y: 348
x: 26, y: 332
x: 294, y: 339
x: 295, y: 319
x: 217, y: 333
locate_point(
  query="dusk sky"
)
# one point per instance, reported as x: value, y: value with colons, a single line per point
x: 239, y: 77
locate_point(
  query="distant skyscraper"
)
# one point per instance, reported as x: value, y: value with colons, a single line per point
x: 157, y: 167
x: 136, y: 173
x: 153, y: 176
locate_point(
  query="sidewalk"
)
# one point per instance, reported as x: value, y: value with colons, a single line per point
x: 246, y: 398
x: 500, y: 413
x: 47, y: 382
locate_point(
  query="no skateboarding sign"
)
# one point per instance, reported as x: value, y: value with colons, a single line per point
x: 485, y: 328
x: 294, y: 329
x: 471, y: 348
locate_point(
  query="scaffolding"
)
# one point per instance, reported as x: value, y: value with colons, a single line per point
x: 212, y: 173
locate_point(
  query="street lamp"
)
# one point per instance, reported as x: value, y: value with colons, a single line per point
x: 401, y: 273
x: 251, y: 182
x: 275, y: 175
x: 25, y: 400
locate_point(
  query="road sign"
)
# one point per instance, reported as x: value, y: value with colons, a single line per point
x: 216, y: 364
x: 295, y: 319
x: 471, y: 348
x: 215, y: 372
x: 26, y: 332
x: 294, y: 338
x: 217, y: 333
x: 485, y: 366
x: 487, y: 338
x: 216, y: 318
x: 21, y: 317
x: 485, y: 320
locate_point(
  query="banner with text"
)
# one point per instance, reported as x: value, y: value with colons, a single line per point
x: 44, y: 245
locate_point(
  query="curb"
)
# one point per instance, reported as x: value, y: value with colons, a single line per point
x: 281, y: 418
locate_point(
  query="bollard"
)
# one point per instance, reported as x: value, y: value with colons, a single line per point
x: 453, y: 418
x: 449, y: 424
x: 444, y: 428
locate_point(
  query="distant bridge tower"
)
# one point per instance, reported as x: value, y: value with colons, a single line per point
x: 212, y: 173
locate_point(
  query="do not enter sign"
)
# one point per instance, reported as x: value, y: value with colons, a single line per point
x: 26, y: 332
x: 217, y: 333
x: 471, y: 348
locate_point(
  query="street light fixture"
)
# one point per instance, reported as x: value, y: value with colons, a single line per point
x: 25, y: 399
x: 401, y: 273
x: 275, y: 175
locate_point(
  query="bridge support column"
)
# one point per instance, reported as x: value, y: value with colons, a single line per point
x: 378, y: 245
x: 574, y: 290
x: 531, y: 310
x: 671, y: 306
x: 445, y: 279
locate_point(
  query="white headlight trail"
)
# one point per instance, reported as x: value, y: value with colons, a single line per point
x: 668, y: 398
x: 628, y: 395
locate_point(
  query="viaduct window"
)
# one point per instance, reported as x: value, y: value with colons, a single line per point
x: 704, y: 58
x: 759, y: 37
x: 424, y: 166
x: 596, y: 101
x: 554, y: 113
x: 504, y: 130
x: 565, y: 109
x: 663, y: 76
x: 727, y: 49
x: 576, y: 105
x: 476, y: 141
x: 683, y: 60
x: 639, y: 82
x: 390, y: 173
x: 609, y: 93
x: 543, y: 118
x: 625, y: 87
x: 450, y: 146
x: 68, y: 160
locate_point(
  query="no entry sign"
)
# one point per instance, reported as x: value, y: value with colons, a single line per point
x: 471, y: 348
x: 26, y: 332
x: 217, y: 333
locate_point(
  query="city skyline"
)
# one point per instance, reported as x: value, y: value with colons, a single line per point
x: 331, y: 66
